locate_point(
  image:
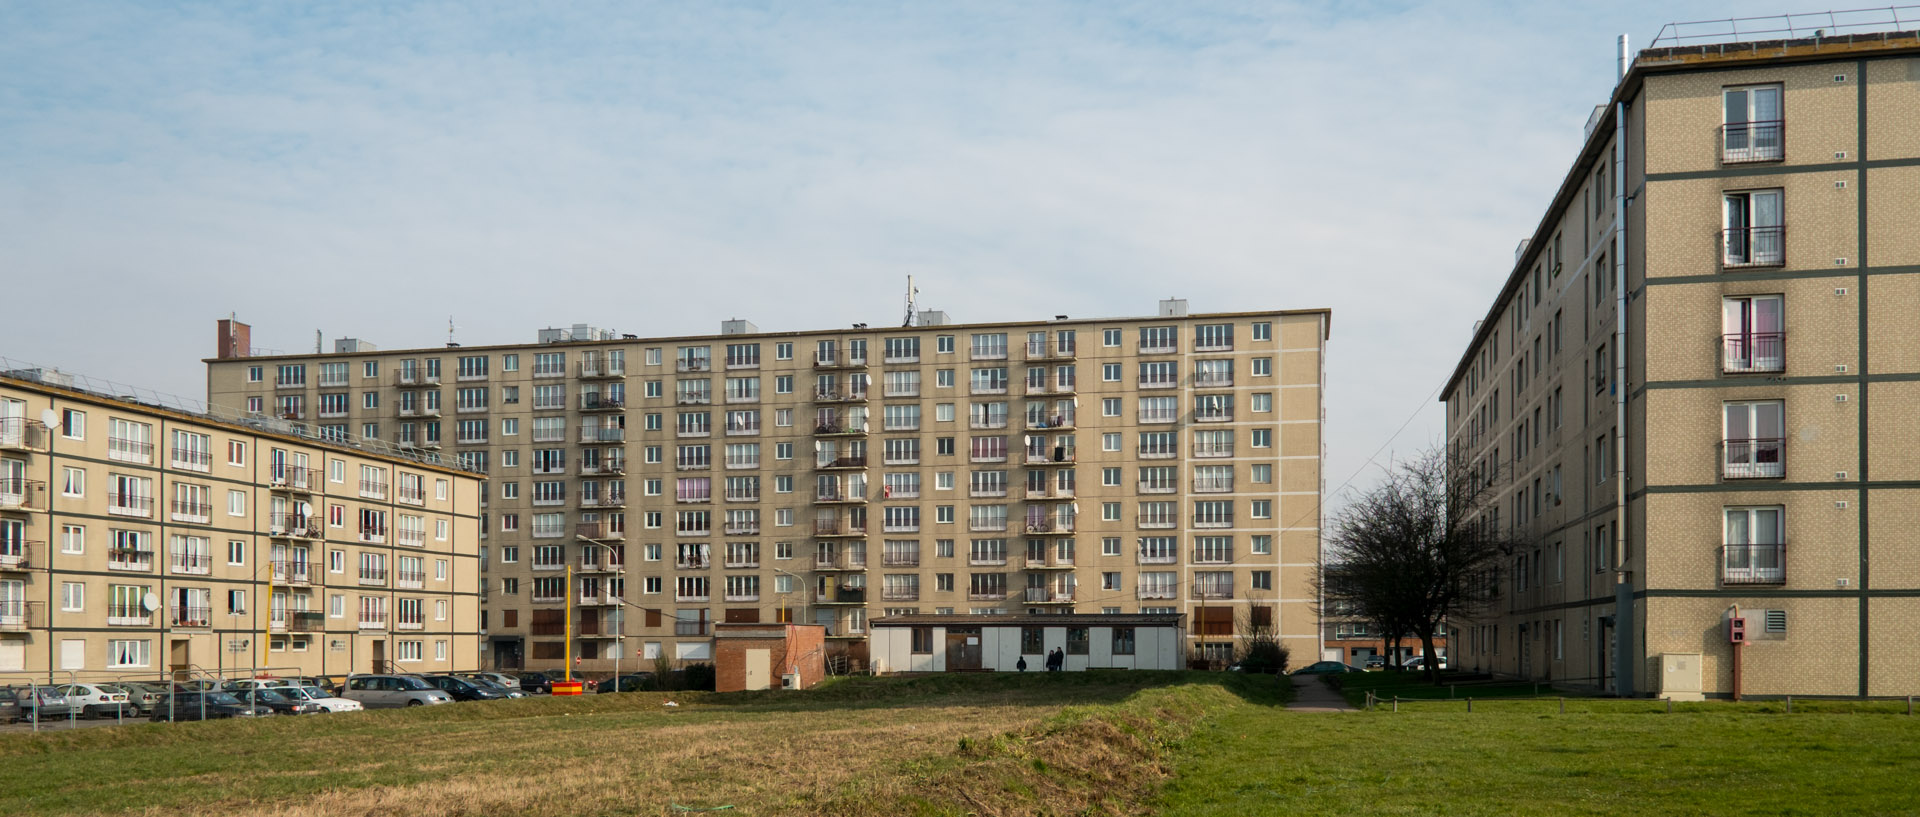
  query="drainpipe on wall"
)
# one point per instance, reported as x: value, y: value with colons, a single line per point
x: 1624, y: 626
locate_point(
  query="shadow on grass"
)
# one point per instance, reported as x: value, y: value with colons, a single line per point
x: 1038, y: 689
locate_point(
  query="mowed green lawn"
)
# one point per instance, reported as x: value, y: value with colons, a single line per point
x: 1523, y: 758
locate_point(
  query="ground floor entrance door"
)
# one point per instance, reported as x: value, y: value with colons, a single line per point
x: 180, y: 658
x: 379, y: 656
x: 963, y: 648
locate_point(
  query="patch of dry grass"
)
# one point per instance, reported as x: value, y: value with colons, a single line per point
x: 991, y: 745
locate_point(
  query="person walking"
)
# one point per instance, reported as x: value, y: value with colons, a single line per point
x: 1021, y: 665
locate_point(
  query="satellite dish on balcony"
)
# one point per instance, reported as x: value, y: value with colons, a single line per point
x: 150, y: 602
x: 50, y: 418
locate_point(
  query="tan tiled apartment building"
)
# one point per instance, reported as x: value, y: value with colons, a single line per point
x: 1700, y: 407
x: 138, y: 541
x: 642, y: 489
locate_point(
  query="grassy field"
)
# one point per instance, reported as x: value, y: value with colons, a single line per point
x: 1118, y: 743
x: 1035, y: 743
x: 1521, y: 757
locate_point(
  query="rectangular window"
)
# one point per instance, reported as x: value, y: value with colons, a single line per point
x: 1754, y: 234
x: 1753, y: 129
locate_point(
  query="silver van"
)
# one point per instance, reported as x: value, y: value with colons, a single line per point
x: 392, y: 691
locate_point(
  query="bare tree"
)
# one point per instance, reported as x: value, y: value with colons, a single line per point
x: 1421, y: 547
x: 1259, y: 648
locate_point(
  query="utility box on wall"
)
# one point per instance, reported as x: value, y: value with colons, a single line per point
x: 1678, y: 676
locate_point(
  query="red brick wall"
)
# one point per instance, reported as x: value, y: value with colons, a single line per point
x: 803, y: 646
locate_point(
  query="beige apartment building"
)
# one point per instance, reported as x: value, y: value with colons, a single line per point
x: 642, y: 489
x: 138, y: 541
x: 1695, y: 392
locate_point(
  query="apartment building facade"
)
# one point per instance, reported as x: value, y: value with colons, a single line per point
x: 138, y: 541
x: 1693, y: 392
x: 642, y: 489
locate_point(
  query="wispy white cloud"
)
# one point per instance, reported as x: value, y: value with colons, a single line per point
x: 369, y: 170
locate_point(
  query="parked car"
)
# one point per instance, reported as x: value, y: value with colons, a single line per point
x: 141, y: 696
x: 277, y: 699
x: 496, y: 686
x: 1327, y: 668
x: 42, y: 703
x: 631, y: 682
x: 10, y: 711
x: 502, y: 679
x: 1419, y: 662
x: 97, y: 700
x: 1376, y: 662
x: 193, y: 706
x: 534, y: 683
x: 393, y: 691
x: 464, y: 689
x: 327, y: 701
x: 240, y: 685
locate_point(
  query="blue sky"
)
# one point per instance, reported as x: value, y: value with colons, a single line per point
x: 368, y: 170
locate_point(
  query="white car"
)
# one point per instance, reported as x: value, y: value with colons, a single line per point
x: 98, y: 700
x: 326, y: 700
x: 500, y: 678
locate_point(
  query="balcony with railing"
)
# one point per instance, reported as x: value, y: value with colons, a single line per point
x: 900, y: 593
x: 841, y: 594
x: 603, y: 465
x: 293, y: 526
x: 375, y: 619
x: 1212, y: 380
x: 1749, y: 247
x: 1149, y: 416
x: 187, y: 510
x: 408, y: 411
x: 1043, y: 350
x: 987, y: 422
x: 19, y: 615
x: 190, y: 562
x: 1156, y: 591
x: 373, y: 576
x: 839, y: 527
x: 1212, y: 485
x: 1056, y: 455
x: 1049, y: 595
x: 1753, y: 564
x: 410, y: 579
x: 987, y: 524
x: 693, y: 397
x: 1159, y: 381
x: 293, y: 479
x: 1051, y: 385
x: 843, y: 462
x: 838, y: 562
x: 839, y: 427
x: 1159, y: 452
x: 601, y: 597
x: 986, y: 558
x: 1212, y: 590
x: 743, y: 527
x: 409, y: 621
x: 1753, y: 353
x: 986, y: 594
x: 1052, y: 561
x: 1063, y: 525
x: 987, y: 351
x: 593, y: 434
x: 690, y: 628
x: 595, y: 367
x: 605, y: 499
x: 292, y: 571
x: 1155, y: 486
x: 1746, y: 142
x: 1158, y: 521
x: 693, y: 365
x: 743, y: 428
x: 691, y: 561
x: 595, y: 401
x: 837, y: 496
x: 30, y: 496
x: 187, y: 616
x: 847, y: 394
x: 1757, y: 458
x: 1049, y: 493
x: 373, y: 534
x: 130, y: 559
x: 1212, y: 450
x: 1057, y: 421
x: 898, y: 558
x: 602, y: 530
x: 1213, y: 520
x: 23, y: 435
x: 692, y: 593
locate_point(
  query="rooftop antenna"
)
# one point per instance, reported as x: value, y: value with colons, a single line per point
x: 449, y: 331
x: 316, y: 341
x: 912, y: 293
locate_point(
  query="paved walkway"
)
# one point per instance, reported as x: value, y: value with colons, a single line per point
x: 1312, y: 694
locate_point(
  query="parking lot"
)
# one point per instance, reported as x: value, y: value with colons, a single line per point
x: 53, y: 725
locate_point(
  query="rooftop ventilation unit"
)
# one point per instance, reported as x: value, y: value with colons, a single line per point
x: 1173, y: 308
x: 738, y: 327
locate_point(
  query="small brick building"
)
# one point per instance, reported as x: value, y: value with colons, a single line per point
x: 760, y: 656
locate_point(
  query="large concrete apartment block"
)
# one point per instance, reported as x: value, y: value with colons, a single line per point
x: 1168, y: 464
x: 138, y: 541
x: 1758, y: 288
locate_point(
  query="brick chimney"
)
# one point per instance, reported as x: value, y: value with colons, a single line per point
x: 236, y: 339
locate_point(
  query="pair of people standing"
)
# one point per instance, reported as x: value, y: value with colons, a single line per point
x: 1056, y: 661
